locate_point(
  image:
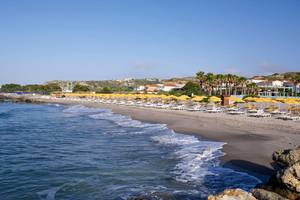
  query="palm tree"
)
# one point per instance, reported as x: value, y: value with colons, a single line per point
x: 228, y: 83
x: 219, y: 82
x: 210, y: 77
x: 201, y: 78
x: 242, y: 84
x: 251, y: 88
x: 296, y: 81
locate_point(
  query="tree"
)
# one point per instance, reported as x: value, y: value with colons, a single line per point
x: 191, y: 88
x: 220, y: 84
x: 252, y: 89
x: 81, y: 88
x: 52, y: 87
x: 210, y: 78
x: 201, y: 78
x: 106, y: 90
x: 11, y: 88
x: 296, y: 81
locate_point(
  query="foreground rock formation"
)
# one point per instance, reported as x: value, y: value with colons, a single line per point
x: 232, y: 194
x: 284, y: 185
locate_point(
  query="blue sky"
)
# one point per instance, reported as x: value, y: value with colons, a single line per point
x: 112, y: 39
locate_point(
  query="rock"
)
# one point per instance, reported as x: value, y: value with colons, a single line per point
x: 262, y: 194
x: 291, y: 177
x: 285, y: 185
x: 28, y: 101
x: 278, y: 187
x: 287, y: 158
x: 232, y: 194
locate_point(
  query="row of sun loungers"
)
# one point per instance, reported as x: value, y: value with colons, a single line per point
x: 257, y: 113
x: 287, y: 117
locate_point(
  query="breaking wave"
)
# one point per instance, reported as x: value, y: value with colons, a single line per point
x: 95, y: 153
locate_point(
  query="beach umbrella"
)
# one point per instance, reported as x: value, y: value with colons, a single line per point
x: 236, y: 99
x: 198, y: 98
x: 250, y: 99
x: 214, y: 99
x: 183, y: 97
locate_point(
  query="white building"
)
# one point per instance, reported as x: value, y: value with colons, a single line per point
x: 257, y: 79
x: 167, y: 87
x: 271, y: 84
x: 276, y: 88
x: 140, y: 88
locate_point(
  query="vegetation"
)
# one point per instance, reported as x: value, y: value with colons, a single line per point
x: 81, y: 88
x: 114, y: 85
x: 223, y: 84
x: 11, y: 88
x: 191, y: 88
x: 45, y: 89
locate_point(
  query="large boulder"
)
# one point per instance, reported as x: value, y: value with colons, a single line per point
x: 232, y: 194
x: 277, y: 187
x: 262, y: 194
x: 286, y: 158
x: 291, y: 177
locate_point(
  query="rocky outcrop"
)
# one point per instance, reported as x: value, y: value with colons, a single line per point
x: 232, y: 194
x: 286, y: 158
x: 262, y: 194
x: 288, y: 174
x: 286, y: 182
x: 291, y: 177
x: 285, y: 185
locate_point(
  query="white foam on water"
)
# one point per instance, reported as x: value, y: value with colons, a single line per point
x: 198, y: 162
x: 80, y: 109
x: 195, y: 157
x: 54, y: 104
x: 125, y: 121
x: 48, y: 194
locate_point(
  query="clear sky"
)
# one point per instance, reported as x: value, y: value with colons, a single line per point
x: 110, y: 39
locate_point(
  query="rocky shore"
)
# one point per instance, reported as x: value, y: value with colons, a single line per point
x: 284, y: 185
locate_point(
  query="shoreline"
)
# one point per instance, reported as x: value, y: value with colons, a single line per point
x: 249, y: 142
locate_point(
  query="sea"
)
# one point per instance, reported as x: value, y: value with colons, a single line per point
x: 56, y: 152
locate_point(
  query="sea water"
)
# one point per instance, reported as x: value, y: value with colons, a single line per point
x: 74, y: 152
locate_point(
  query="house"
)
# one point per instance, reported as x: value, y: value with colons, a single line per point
x: 152, y: 88
x: 275, y: 88
x: 270, y: 84
x: 166, y: 87
x: 257, y: 79
x: 169, y: 86
x: 141, y: 88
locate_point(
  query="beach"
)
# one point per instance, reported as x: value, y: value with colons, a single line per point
x: 250, y: 142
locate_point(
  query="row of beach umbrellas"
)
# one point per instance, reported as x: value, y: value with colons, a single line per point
x: 195, y: 98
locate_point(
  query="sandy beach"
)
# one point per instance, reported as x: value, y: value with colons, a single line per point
x: 250, y: 142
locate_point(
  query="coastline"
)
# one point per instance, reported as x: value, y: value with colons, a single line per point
x: 250, y: 142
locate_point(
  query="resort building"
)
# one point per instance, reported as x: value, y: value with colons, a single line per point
x: 169, y: 86
x: 257, y: 79
x: 153, y: 88
x: 276, y: 88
